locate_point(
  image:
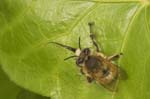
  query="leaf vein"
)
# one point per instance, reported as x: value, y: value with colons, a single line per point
x: 147, y: 25
x: 125, y: 40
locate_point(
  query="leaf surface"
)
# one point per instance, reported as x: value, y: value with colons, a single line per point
x: 9, y: 90
x: 27, y: 26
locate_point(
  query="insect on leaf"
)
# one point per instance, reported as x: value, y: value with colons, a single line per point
x: 26, y: 27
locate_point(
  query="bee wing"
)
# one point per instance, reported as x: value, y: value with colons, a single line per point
x: 112, y: 86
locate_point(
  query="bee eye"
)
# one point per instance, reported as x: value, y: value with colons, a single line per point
x: 86, y: 51
x: 79, y: 61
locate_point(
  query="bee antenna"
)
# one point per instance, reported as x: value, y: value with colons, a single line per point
x: 79, y: 43
x: 70, y: 57
x: 65, y: 46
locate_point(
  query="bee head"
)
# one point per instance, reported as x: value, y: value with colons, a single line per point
x: 83, y: 56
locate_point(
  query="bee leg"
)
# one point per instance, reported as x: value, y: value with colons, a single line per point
x: 114, y: 57
x: 94, y: 42
x: 81, y: 71
x: 92, y: 36
x: 89, y: 79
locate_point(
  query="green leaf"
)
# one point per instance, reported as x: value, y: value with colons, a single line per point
x: 24, y: 94
x: 137, y: 57
x: 9, y: 90
x: 27, y: 26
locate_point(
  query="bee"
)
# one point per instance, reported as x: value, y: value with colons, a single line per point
x: 95, y: 66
